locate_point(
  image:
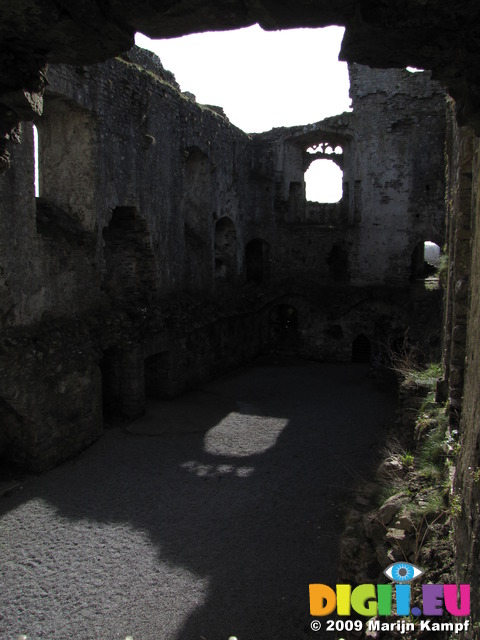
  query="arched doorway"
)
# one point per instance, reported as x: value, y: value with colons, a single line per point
x: 425, y: 260
x: 225, y: 249
x: 284, y: 333
x: 323, y: 181
x: 257, y: 260
x: 361, y: 349
x: 130, y: 264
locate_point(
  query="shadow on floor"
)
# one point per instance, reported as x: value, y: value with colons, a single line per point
x: 212, y: 531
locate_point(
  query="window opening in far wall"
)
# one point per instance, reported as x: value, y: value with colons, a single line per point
x: 361, y: 349
x: 35, y: 162
x: 426, y: 260
x: 256, y: 260
x: 225, y: 249
x: 284, y: 330
x: 324, y: 182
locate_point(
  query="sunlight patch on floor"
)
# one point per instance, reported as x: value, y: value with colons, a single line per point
x: 239, y: 435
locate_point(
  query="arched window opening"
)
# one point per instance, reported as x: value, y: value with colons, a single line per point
x: 325, y: 148
x: 130, y: 263
x: 66, y: 166
x: 157, y: 375
x: 334, y: 331
x: 426, y: 259
x: 36, y: 162
x: 111, y: 373
x: 324, y: 182
x: 225, y: 249
x: 431, y: 253
x: 361, y: 349
x: 338, y: 263
x: 257, y: 260
x: 284, y: 327
x: 195, y: 204
x: 123, y: 389
x: 10, y: 447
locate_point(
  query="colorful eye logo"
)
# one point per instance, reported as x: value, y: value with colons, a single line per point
x: 402, y: 572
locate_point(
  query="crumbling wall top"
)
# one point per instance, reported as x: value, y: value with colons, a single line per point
x: 150, y: 62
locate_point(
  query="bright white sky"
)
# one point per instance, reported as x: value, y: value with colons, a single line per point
x: 263, y: 79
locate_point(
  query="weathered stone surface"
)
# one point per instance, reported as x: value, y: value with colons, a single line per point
x: 390, y: 508
x: 380, y: 35
x: 178, y: 244
x: 404, y: 522
x: 430, y: 34
x: 462, y: 355
x: 390, y: 468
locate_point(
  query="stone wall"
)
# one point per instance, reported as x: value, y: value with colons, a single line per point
x: 166, y: 246
x: 43, y: 271
x: 461, y: 343
x: 428, y: 35
x: 393, y: 182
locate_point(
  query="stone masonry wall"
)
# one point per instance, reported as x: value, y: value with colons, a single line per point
x: 462, y: 341
x: 167, y: 246
x: 393, y: 182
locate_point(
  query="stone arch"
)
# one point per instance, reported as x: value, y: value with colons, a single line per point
x: 257, y: 259
x: 157, y: 375
x: 284, y: 327
x: 111, y: 371
x: 36, y: 178
x: 225, y: 249
x: 130, y: 265
x: 425, y: 260
x: 197, y: 259
x: 361, y: 349
x: 323, y: 181
x: 122, y: 377
x: 66, y: 158
x: 197, y: 186
x: 10, y: 436
x: 338, y: 263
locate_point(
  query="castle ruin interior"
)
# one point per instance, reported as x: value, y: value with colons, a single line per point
x: 164, y: 246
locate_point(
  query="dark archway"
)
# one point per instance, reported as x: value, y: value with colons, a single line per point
x: 65, y: 155
x: 197, y: 195
x: 425, y: 260
x: 157, y: 368
x: 338, y: 263
x: 111, y: 371
x: 225, y: 249
x: 324, y: 181
x: 284, y: 331
x: 361, y: 349
x: 123, y: 389
x: 11, y: 433
x: 130, y: 267
x: 257, y: 255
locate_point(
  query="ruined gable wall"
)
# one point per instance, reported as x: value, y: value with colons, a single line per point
x: 305, y: 233
x: 393, y: 183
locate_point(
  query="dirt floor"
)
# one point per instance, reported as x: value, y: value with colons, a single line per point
x: 207, y: 518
